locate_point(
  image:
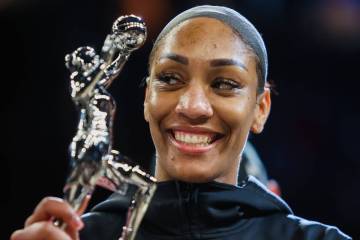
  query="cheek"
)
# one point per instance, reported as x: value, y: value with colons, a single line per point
x: 237, y: 116
x: 160, y: 106
x: 157, y: 106
x: 236, y: 113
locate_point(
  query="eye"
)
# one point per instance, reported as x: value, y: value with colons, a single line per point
x: 169, y: 79
x: 224, y: 84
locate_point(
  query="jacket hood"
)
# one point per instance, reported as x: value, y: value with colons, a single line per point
x: 184, y: 208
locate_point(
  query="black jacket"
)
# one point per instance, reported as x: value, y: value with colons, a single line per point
x: 207, y: 211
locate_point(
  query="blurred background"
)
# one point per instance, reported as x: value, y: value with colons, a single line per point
x: 310, y: 144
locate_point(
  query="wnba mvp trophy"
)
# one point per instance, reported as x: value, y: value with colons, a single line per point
x: 93, y: 161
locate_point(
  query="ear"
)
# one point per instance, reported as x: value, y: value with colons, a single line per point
x: 262, y: 111
x: 146, y: 100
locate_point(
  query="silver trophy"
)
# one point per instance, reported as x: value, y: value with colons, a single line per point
x: 93, y: 161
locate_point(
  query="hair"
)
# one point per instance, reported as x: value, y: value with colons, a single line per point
x: 240, y: 25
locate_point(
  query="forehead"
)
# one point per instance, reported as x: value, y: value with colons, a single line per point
x: 205, y: 38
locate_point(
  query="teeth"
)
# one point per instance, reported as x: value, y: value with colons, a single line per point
x: 196, y: 139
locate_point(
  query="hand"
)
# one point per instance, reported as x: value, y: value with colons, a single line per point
x: 40, y: 225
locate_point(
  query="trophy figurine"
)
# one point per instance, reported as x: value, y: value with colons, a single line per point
x: 93, y: 161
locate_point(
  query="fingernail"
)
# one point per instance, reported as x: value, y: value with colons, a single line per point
x: 78, y: 222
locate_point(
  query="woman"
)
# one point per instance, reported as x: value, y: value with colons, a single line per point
x: 206, y: 91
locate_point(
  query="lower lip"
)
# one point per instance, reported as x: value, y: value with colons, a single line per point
x: 191, y: 149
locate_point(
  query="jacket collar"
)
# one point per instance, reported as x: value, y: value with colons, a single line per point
x: 180, y: 208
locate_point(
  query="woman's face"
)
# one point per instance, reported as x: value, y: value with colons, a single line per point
x: 201, y: 101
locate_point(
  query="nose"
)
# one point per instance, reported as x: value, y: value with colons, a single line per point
x: 194, y: 104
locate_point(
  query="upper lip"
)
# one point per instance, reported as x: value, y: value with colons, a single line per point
x: 195, y: 130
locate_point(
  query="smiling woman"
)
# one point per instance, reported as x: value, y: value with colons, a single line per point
x: 202, y: 100
x: 205, y: 92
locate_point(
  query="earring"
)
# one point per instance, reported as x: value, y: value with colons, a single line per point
x: 255, y: 128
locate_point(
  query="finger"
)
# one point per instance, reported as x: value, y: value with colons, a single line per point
x: 50, y: 208
x: 40, y: 230
x: 73, y: 233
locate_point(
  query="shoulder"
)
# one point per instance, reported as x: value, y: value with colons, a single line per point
x: 279, y: 220
x: 299, y: 228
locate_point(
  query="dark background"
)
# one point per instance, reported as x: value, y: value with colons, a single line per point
x: 310, y: 144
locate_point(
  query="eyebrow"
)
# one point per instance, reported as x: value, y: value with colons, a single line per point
x: 175, y: 57
x: 213, y: 63
x: 227, y: 62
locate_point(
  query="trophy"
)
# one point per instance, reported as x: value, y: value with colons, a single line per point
x: 93, y: 161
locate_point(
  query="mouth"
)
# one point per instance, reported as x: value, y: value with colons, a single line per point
x: 194, y: 141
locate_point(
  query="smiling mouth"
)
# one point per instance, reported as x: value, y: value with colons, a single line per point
x: 194, y: 142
